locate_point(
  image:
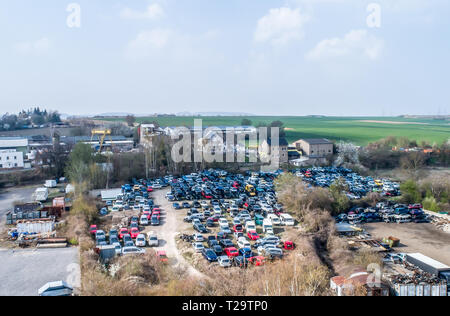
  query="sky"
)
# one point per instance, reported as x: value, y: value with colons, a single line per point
x: 291, y: 57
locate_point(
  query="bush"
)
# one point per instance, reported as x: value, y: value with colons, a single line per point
x: 430, y: 204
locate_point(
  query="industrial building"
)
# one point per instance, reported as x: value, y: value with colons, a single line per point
x: 12, y: 151
x: 315, y: 147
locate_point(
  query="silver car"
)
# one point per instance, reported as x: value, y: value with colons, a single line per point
x: 224, y: 261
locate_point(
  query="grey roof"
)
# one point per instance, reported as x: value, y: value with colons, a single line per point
x: 317, y: 141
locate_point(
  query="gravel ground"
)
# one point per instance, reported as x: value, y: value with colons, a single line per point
x: 23, y: 272
x: 415, y: 237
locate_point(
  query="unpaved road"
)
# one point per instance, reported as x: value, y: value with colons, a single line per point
x: 169, y: 231
x: 415, y: 237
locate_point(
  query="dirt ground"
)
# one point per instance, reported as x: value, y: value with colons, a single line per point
x: 171, y: 226
x: 415, y: 237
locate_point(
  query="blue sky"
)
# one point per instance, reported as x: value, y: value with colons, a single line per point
x: 294, y: 57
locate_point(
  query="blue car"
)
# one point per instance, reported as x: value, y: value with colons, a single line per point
x: 246, y: 253
x: 177, y: 206
x: 209, y: 255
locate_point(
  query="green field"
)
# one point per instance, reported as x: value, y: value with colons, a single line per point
x: 355, y: 129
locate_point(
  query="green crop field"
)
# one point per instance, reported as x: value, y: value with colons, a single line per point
x: 359, y: 130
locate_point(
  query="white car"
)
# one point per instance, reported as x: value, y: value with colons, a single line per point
x: 287, y: 220
x: 132, y: 251
x: 156, y: 186
x: 140, y: 241
x: 152, y: 239
x: 199, y: 238
x: 224, y: 261
x: 406, y: 218
x: 275, y: 219
x: 115, y: 208
x: 198, y: 246
x: 204, y: 204
x: 243, y: 243
x: 223, y: 221
x: 144, y: 220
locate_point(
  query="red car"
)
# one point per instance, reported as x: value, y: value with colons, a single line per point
x: 207, y: 196
x: 134, y: 232
x: 122, y: 232
x: 238, y: 228
x: 149, y: 189
x: 157, y: 209
x: 147, y: 213
x: 215, y: 218
x: 231, y: 252
x: 93, y: 229
x: 257, y: 261
x: 162, y: 256
x: 289, y: 245
x: 157, y: 214
x: 253, y: 235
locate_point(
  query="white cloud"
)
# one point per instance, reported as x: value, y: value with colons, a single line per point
x: 148, y: 42
x: 280, y: 26
x: 38, y: 47
x: 354, y: 43
x: 152, y: 12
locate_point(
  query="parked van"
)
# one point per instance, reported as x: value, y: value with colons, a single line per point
x: 250, y: 226
x: 50, y: 184
x: 287, y: 220
x: 267, y: 225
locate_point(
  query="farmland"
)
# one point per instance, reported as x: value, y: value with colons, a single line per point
x: 359, y: 130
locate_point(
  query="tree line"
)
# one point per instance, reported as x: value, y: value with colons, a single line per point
x: 26, y: 118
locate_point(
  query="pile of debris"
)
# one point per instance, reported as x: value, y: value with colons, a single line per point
x: 441, y: 221
x: 417, y: 277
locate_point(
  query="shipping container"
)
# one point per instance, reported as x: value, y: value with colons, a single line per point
x: 38, y: 227
x: 420, y: 289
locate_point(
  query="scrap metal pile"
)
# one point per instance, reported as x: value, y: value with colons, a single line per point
x: 417, y: 276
